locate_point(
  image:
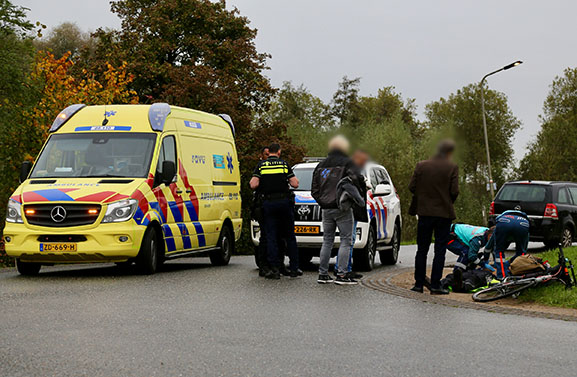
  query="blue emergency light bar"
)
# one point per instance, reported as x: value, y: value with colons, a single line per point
x: 157, y: 115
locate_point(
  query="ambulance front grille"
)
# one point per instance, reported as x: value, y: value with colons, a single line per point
x: 61, y: 214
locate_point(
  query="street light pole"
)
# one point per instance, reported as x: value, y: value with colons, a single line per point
x: 514, y: 64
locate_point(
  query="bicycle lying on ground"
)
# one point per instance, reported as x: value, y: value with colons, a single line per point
x: 514, y: 285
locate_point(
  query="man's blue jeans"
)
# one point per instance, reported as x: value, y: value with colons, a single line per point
x: 343, y: 220
x: 354, y: 238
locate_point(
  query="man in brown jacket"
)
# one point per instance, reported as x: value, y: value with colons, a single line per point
x: 435, y: 187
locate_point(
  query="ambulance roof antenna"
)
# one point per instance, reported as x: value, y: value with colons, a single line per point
x: 105, y: 121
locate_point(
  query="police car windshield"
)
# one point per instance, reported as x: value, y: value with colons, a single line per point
x: 305, y: 177
x: 96, y: 154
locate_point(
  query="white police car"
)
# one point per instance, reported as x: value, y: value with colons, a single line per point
x: 382, y: 233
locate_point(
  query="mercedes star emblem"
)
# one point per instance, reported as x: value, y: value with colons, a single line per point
x: 58, y: 214
x: 517, y: 208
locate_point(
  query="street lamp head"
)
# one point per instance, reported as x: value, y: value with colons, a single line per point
x: 512, y: 65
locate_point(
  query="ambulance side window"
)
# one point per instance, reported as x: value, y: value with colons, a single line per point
x: 167, y: 153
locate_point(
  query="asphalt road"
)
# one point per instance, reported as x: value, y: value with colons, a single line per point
x: 193, y: 319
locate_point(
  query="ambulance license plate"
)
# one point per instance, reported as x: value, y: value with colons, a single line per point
x: 303, y: 229
x: 58, y: 247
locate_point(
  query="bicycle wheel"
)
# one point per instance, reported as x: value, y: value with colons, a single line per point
x: 503, y: 290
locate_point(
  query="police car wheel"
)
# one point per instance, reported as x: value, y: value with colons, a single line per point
x: 364, y: 259
x: 390, y: 255
x: 148, y: 258
x: 28, y: 268
x: 225, y: 248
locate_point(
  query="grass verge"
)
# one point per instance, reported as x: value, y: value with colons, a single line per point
x: 555, y: 293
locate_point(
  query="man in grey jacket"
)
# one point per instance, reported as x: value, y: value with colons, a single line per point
x: 326, y: 177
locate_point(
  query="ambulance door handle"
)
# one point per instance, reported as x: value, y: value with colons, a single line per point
x: 188, y: 191
x: 179, y: 191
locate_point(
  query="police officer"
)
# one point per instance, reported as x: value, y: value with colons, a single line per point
x: 272, y: 178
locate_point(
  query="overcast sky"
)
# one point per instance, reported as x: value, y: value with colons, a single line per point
x: 426, y: 49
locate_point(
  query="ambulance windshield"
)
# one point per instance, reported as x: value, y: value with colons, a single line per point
x: 96, y: 154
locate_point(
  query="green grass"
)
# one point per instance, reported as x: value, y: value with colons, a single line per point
x: 555, y: 293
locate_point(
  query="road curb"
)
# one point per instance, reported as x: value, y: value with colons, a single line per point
x: 382, y: 282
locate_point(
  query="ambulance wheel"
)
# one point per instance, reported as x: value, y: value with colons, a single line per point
x: 149, y: 258
x: 27, y: 268
x: 224, y: 249
x: 390, y: 255
x: 364, y: 259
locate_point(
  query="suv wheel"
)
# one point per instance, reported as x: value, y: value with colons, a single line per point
x: 390, y: 256
x: 225, y: 248
x: 28, y: 268
x: 567, y: 237
x: 364, y: 259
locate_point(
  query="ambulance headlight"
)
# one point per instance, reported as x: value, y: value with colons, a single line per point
x: 14, y: 212
x: 120, y: 211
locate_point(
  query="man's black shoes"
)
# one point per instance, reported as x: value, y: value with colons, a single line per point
x: 345, y: 280
x: 284, y: 271
x: 324, y: 279
x: 273, y: 274
x: 439, y: 291
x: 417, y: 289
x: 295, y: 273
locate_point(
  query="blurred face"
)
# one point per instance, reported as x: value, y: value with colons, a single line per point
x: 265, y: 154
x: 360, y: 158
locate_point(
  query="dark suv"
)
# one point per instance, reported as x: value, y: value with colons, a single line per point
x: 551, y: 207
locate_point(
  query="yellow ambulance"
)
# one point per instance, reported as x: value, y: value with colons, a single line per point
x: 128, y: 183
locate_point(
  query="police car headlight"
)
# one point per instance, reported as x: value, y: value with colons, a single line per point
x: 120, y: 211
x: 14, y: 212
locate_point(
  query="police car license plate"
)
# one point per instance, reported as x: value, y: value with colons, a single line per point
x: 58, y: 247
x: 303, y: 229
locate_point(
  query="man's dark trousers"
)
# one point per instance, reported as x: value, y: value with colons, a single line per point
x: 279, y: 221
x: 428, y: 225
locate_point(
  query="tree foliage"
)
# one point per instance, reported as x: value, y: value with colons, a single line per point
x: 66, y: 38
x: 307, y: 118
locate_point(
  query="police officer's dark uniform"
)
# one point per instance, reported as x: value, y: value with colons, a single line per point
x: 278, y: 211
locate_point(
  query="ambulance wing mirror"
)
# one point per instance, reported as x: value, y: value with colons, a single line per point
x: 25, y: 170
x: 168, y: 172
x: 382, y: 190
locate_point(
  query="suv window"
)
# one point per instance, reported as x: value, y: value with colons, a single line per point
x: 523, y: 193
x: 167, y: 153
x: 563, y: 196
x: 573, y: 191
